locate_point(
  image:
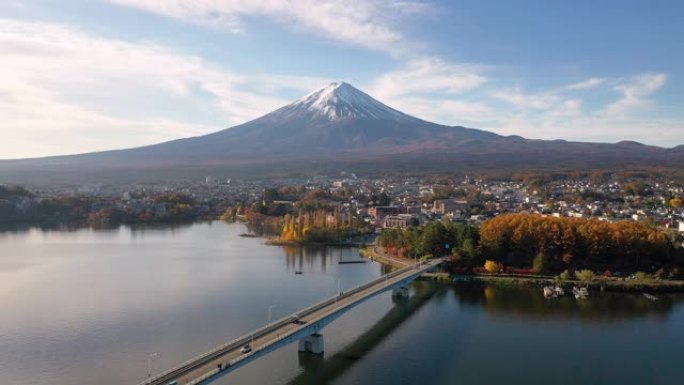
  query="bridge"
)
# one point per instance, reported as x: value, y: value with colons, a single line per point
x: 303, y: 326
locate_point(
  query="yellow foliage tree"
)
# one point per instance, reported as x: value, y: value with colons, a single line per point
x: 676, y: 202
x: 491, y: 266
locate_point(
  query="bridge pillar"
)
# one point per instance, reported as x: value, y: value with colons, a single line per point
x: 312, y: 344
x: 402, y: 291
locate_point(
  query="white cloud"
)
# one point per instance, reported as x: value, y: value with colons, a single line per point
x: 444, y: 111
x: 427, y: 75
x: 634, y: 92
x: 432, y: 89
x: 567, y: 109
x: 57, y: 82
x: 593, y: 128
x: 552, y: 115
x: 586, y: 84
x: 359, y: 22
x: 521, y: 99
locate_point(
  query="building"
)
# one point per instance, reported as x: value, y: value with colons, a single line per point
x: 383, y: 211
x: 401, y: 221
x: 446, y: 206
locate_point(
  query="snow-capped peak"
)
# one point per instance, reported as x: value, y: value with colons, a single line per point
x: 340, y: 100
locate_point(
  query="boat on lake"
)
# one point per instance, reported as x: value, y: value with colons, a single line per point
x: 553, y: 291
x: 580, y: 292
x: 650, y: 296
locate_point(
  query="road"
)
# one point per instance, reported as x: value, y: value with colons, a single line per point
x: 273, y: 335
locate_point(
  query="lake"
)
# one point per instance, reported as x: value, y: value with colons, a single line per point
x: 110, y: 306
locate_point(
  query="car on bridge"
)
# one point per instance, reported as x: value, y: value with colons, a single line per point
x: 246, y: 349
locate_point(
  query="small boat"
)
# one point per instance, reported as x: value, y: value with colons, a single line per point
x: 580, y: 292
x: 650, y: 296
x: 549, y: 292
x: 558, y: 291
x: 298, y: 272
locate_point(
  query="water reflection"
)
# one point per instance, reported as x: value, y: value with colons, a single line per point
x: 318, y: 370
x: 62, y: 228
x: 530, y: 303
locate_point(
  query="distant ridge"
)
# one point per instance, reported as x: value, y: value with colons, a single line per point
x: 333, y: 128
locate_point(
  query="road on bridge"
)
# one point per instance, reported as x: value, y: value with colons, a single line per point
x: 208, y: 364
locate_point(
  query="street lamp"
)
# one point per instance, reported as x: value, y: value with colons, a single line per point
x: 149, y: 363
x: 269, y: 312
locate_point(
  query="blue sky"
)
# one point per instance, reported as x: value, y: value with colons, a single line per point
x: 80, y: 76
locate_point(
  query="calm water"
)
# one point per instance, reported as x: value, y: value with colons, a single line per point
x: 91, y: 307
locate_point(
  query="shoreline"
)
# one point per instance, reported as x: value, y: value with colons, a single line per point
x: 608, y: 285
x: 517, y: 280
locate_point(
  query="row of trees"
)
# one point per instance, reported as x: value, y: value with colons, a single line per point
x: 436, y: 239
x: 554, y: 244
x: 320, y: 225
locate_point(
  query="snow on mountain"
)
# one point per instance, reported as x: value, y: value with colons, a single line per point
x: 341, y: 101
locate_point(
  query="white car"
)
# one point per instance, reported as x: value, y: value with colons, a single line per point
x: 246, y: 349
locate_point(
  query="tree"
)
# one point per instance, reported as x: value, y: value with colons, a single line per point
x: 585, y: 275
x: 676, y: 203
x: 492, y: 267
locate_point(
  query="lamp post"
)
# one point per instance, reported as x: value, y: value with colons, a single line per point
x: 149, y: 363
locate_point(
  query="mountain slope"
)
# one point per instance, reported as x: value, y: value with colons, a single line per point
x: 335, y: 127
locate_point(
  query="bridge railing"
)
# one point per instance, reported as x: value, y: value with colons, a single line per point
x: 309, y: 310
x: 273, y: 326
x: 223, y: 348
x: 315, y: 307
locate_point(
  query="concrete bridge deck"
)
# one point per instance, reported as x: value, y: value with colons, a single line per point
x: 307, y: 322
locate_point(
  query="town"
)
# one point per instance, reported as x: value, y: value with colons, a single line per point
x: 387, y: 202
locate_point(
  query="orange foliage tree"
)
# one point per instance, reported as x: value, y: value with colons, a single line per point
x: 517, y: 238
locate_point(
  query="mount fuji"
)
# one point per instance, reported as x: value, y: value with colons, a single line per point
x: 337, y: 118
x: 333, y: 128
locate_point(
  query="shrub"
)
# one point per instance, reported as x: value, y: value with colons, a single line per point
x: 491, y: 267
x: 566, y: 275
x: 641, y: 275
x: 586, y: 275
x: 661, y: 273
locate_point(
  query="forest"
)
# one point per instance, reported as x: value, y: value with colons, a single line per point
x: 544, y: 245
x: 553, y: 244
